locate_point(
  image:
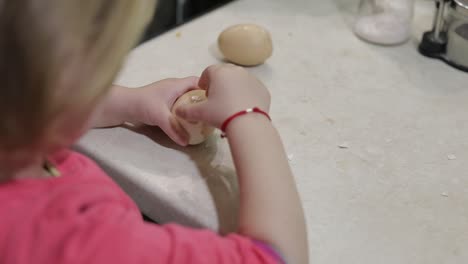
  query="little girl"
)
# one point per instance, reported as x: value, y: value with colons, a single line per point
x: 57, y: 61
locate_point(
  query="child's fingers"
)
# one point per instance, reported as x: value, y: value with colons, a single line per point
x: 206, y: 77
x: 184, y: 85
x: 193, y: 112
x: 191, y: 82
x: 211, y: 73
x: 175, y: 131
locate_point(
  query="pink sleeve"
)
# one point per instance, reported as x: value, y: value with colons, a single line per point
x: 174, y: 244
x: 185, y: 245
x: 110, y: 236
x: 86, y: 218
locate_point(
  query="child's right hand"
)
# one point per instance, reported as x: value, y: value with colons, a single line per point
x: 230, y: 89
x: 259, y: 157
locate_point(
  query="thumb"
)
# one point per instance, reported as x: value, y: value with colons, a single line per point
x: 193, y: 112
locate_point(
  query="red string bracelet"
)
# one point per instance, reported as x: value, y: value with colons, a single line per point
x: 241, y: 113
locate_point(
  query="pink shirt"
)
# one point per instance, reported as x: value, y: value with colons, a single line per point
x: 84, y: 217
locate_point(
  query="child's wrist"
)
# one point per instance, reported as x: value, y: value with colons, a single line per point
x: 249, y: 122
x: 125, y: 104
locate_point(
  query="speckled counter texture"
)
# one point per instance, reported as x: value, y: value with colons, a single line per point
x: 397, y: 194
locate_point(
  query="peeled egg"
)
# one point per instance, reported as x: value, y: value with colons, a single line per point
x: 245, y: 44
x: 198, y: 132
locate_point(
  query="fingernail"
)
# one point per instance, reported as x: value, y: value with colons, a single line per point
x: 185, y: 142
x: 184, y: 138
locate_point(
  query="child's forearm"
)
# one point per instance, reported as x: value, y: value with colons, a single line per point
x: 270, y: 206
x: 115, y: 109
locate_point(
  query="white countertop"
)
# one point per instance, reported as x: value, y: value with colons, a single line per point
x: 398, y: 194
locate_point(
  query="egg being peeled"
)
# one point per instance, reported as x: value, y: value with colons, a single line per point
x: 198, y: 132
x: 245, y: 44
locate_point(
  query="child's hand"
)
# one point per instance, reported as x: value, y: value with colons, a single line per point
x: 150, y: 105
x: 154, y: 103
x: 259, y: 157
x: 230, y: 89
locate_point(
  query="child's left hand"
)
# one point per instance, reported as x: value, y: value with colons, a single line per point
x: 150, y: 105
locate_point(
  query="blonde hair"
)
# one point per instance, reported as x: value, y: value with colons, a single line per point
x: 60, y: 56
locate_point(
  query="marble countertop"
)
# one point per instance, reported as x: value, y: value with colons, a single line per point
x: 377, y: 136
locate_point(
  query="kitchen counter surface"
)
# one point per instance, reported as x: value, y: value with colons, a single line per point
x: 377, y: 137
